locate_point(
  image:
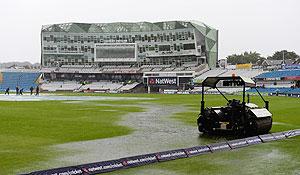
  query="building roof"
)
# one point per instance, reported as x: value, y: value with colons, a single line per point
x: 289, y: 61
x: 272, y: 62
x: 118, y: 27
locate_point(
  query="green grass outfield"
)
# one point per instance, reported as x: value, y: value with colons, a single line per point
x: 27, y: 129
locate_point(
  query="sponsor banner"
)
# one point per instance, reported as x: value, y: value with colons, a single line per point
x: 162, y: 81
x: 237, y: 143
x: 244, y: 66
x: 279, y: 135
x: 290, y: 133
x: 219, y: 146
x: 292, y: 78
x: 101, y: 167
x: 253, y: 140
x: 197, y: 150
x: 267, y: 137
x: 170, y: 155
x: 74, y: 170
x: 139, y: 160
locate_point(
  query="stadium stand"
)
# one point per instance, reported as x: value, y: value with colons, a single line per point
x: 244, y: 72
x: 274, y: 84
x: 279, y: 82
x: 73, y: 86
x: 128, y: 87
x: 23, y: 80
x: 225, y: 90
x: 278, y: 91
x: 271, y: 90
x: 60, y: 86
x: 209, y: 73
x: 279, y: 74
x: 295, y: 91
x: 102, y: 86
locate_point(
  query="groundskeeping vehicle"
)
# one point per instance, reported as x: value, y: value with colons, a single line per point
x: 236, y: 118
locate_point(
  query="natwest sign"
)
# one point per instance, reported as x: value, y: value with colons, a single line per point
x: 162, y: 81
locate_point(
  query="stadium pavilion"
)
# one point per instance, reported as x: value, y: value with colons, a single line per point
x: 141, y: 43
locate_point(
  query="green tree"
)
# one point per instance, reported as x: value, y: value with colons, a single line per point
x: 278, y: 55
x: 246, y: 57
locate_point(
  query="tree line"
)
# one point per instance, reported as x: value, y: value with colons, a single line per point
x: 256, y: 58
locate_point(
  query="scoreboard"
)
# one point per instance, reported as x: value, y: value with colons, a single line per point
x: 116, y: 52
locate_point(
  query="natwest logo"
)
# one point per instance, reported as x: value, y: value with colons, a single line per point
x: 162, y: 81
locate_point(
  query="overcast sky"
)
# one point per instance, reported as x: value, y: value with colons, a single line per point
x: 244, y: 25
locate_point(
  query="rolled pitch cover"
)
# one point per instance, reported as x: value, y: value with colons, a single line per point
x: 267, y: 137
x: 139, y: 160
x: 102, y: 167
x: 171, y: 155
x: 290, y: 133
x: 297, y: 132
x: 219, y: 146
x: 237, y: 143
x: 279, y: 135
x: 253, y: 140
x: 197, y: 150
x: 64, y: 170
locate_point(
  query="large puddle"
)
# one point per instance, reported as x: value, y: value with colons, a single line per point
x: 64, y: 98
x: 154, y: 131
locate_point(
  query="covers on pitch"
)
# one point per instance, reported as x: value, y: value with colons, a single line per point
x: 219, y: 146
x: 291, y: 133
x: 297, y: 132
x: 279, y: 135
x: 237, y: 143
x: 253, y: 140
x: 267, y: 137
x: 101, y: 167
x: 170, y: 155
x: 74, y: 170
x: 197, y: 150
x: 129, y: 162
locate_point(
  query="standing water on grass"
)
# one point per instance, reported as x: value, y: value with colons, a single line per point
x: 64, y: 98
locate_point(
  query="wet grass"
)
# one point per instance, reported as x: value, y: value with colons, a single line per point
x: 28, y: 128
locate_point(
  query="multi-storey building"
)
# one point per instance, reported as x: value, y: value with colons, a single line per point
x: 171, y: 43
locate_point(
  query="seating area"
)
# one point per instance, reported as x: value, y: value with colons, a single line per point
x: 279, y: 74
x: 271, y: 90
x: 225, y: 90
x: 124, y: 68
x: 102, y: 86
x: 295, y: 91
x: 60, y: 86
x: 93, y: 86
x: 128, y: 87
x: 24, y: 80
x: 274, y: 84
x: 282, y: 90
